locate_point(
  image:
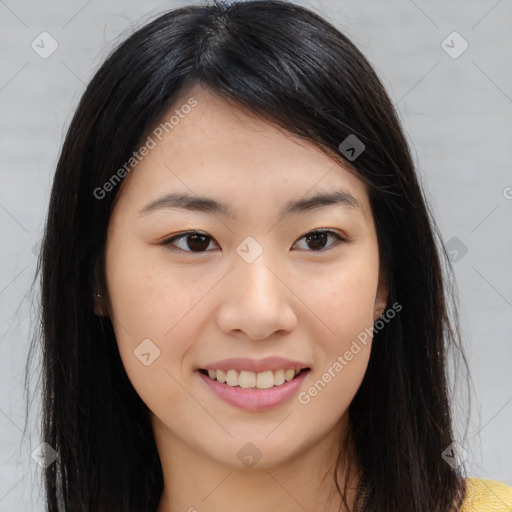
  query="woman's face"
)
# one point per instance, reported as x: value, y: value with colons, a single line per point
x: 249, y: 291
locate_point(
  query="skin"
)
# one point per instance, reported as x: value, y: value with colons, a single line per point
x: 197, y: 308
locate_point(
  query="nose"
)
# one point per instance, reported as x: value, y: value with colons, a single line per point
x: 256, y: 300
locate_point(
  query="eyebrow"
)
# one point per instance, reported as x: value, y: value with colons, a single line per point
x: 211, y: 206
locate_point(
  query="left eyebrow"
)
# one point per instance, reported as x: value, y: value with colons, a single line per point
x: 338, y: 197
x: 211, y: 206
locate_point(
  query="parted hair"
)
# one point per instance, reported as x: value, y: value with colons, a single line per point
x: 293, y: 68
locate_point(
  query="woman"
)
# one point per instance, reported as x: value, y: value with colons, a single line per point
x: 243, y: 302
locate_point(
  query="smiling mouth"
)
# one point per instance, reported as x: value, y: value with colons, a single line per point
x: 260, y: 380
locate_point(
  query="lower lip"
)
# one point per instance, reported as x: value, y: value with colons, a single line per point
x: 255, y: 399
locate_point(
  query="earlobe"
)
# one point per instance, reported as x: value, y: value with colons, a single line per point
x: 381, y: 298
x: 379, y: 310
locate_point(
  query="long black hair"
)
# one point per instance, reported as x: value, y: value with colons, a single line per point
x: 294, y: 69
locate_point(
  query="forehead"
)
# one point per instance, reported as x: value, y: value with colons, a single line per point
x: 216, y: 147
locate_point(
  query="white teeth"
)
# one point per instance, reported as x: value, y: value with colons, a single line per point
x: 265, y: 380
x: 288, y: 375
x: 246, y: 379
x: 232, y: 378
x: 278, y: 377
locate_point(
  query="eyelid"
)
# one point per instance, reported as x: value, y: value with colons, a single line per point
x: 340, y: 237
x: 167, y: 242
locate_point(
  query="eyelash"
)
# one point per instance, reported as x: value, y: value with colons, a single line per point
x: 168, y: 242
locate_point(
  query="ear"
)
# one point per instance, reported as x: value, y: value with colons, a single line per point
x: 381, y: 296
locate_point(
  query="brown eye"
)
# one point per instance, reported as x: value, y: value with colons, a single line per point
x: 317, y: 239
x: 198, y: 242
x: 194, y: 241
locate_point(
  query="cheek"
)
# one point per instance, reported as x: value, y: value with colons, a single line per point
x: 155, y: 314
x: 344, y: 300
x: 146, y: 297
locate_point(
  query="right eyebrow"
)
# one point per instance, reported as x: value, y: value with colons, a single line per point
x: 337, y: 197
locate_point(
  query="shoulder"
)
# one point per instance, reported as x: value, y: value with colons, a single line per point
x: 487, y: 496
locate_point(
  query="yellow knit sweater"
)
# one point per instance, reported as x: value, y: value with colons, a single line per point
x: 487, y: 496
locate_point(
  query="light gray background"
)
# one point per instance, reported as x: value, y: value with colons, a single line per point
x: 457, y: 116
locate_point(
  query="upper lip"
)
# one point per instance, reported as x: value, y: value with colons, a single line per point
x: 253, y: 365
